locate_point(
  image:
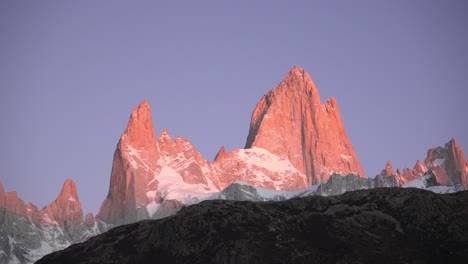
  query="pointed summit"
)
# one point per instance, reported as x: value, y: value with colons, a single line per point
x: 68, y: 190
x: 221, y: 154
x: 388, y: 169
x: 66, y: 209
x: 290, y: 121
x: 419, y: 168
x: 140, y: 132
x: 134, y: 166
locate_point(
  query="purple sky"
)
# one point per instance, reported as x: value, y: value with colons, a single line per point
x: 70, y: 74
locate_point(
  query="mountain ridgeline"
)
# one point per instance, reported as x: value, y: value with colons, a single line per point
x: 297, y: 146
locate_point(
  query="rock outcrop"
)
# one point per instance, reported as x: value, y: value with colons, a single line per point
x: 291, y: 122
x: 385, y: 225
x: 26, y: 233
x: 133, y: 167
x: 145, y: 168
x: 296, y: 147
x: 66, y: 209
x: 448, y: 164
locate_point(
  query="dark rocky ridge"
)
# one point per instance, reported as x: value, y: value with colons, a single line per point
x: 384, y: 225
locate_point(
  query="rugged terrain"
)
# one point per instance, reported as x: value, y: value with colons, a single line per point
x: 296, y: 146
x: 383, y: 225
x: 27, y: 233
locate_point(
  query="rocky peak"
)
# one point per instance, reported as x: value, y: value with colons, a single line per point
x: 388, y: 169
x: 221, y: 154
x: 448, y: 164
x: 11, y: 203
x: 140, y: 132
x: 68, y: 192
x: 419, y: 168
x: 165, y: 142
x: 164, y: 135
x: 290, y: 122
x: 66, y: 209
x: 457, y: 163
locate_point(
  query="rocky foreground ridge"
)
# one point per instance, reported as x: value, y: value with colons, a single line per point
x: 383, y: 225
x: 296, y: 147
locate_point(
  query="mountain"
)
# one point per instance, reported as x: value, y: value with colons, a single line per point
x: 149, y: 173
x: 384, y: 225
x: 290, y: 121
x: 294, y: 142
x: 448, y: 164
x: 429, y: 182
x: 296, y: 147
x: 26, y: 233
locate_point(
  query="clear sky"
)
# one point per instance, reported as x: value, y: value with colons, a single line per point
x: 71, y: 72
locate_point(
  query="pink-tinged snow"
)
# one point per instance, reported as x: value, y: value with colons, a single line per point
x: 172, y: 187
x: 266, y: 160
x: 135, y: 158
x: 262, y: 168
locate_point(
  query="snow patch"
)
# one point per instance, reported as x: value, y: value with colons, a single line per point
x: 172, y: 187
x: 132, y: 153
x: 346, y: 157
x: 419, y: 183
x: 152, y: 206
x: 438, y: 162
x: 264, y: 164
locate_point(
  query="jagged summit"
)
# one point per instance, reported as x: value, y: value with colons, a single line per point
x: 221, y: 154
x: 66, y: 208
x: 290, y: 121
x: 140, y: 132
x: 388, y: 169
x: 294, y: 141
x: 68, y: 190
x: 447, y: 163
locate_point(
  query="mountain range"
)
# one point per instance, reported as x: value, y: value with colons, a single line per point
x: 296, y: 146
x: 383, y: 225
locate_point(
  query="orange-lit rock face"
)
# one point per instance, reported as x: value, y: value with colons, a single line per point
x: 11, y: 203
x: 291, y: 122
x: 140, y: 132
x: 138, y: 160
x: 133, y: 168
x: 448, y: 164
x: 66, y: 209
x: 388, y: 169
x: 457, y: 163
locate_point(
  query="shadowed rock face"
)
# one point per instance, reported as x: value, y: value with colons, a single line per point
x: 385, y: 225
